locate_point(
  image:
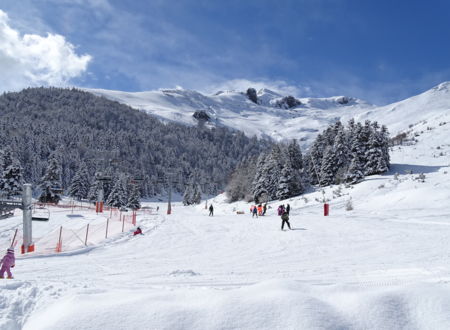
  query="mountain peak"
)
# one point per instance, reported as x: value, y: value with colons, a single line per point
x: 444, y: 86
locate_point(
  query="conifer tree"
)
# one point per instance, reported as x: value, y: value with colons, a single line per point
x: 341, y: 150
x: 315, y: 158
x: 51, y: 182
x: 118, y: 194
x: 295, y: 155
x: 289, y: 184
x: 376, y: 162
x: 12, y: 180
x: 355, y: 172
x: 93, y: 190
x: 134, y: 202
x: 329, y: 167
x: 80, y: 183
x: 197, y: 194
x: 268, y: 174
x: 188, y: 194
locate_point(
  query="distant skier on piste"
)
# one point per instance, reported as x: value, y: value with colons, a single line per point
x: 211, y: 210
x: 254, y: 211
x: 138, y: 231
x: 8, y: 262
x: 285, y: 219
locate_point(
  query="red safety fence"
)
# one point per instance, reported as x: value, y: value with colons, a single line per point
x: 66, y: 238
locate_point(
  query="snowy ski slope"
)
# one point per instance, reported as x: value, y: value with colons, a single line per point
x: 383, y: 265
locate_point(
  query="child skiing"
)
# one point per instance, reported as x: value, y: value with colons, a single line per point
x: 254, y: 211
x: 8, y: 262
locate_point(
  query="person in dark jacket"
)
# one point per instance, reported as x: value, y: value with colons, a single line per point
x: 255, y: 211
x: 288, y: 209
x: 264, y: 209
x: 285, y: 219
x: 211, y: 210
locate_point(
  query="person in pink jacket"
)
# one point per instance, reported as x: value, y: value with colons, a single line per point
x: 7, y: 262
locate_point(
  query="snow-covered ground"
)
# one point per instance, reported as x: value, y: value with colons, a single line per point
x: 383, y: 265
x: 304, y: 122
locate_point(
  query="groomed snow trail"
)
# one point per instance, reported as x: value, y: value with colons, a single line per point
x: 189, y: 271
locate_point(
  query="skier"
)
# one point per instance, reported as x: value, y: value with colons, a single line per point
x: 211, y: 210
x: 285, y: 219
x: 7, y: 262
x: 260, y: 210
x: 138, y: 231
x: 265, y: 209
x: 288, y: 209
x: 254, y: 212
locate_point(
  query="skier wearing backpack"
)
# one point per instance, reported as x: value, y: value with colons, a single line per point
x: 285, y: 219
x: 7, y: 262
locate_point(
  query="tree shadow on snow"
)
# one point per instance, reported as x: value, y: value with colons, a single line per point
x: 414, y: 169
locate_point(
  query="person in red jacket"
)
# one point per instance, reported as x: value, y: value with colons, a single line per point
x: 138, y: 231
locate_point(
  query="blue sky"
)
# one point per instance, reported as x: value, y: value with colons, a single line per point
x: 381, y: 51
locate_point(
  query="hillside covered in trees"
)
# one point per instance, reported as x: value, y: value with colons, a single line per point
x: 90, y: 134
x: 338, y: 155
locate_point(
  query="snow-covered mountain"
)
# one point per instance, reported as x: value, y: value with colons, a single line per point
x: 269, y: 117
x: 278, y: 117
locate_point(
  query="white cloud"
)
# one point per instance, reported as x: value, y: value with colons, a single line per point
x: 32, y: 60
x: 278, y: 86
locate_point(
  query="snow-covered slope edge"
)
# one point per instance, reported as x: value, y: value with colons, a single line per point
x: 303, y: 122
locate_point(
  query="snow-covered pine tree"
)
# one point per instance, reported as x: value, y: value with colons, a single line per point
x: 5, y: 161
x: 268, y: 174
x: 51, y: 182
x: 295, y: 155
x: 385, y: 145
x: 118, y: 195
x: 134, y: 197
x: 376, y: 163
x: 289, y: 184
x: 93, y: 190
x: 355, y: 172
x: 341, y: 150
x: 329, y: 167
x: 80, y: 183
x: 350, y: 132
x: 188, y: 194
x: 197, y: 194
x: 12, y: 180
x: 315, y: 158
x: 363, y: 138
